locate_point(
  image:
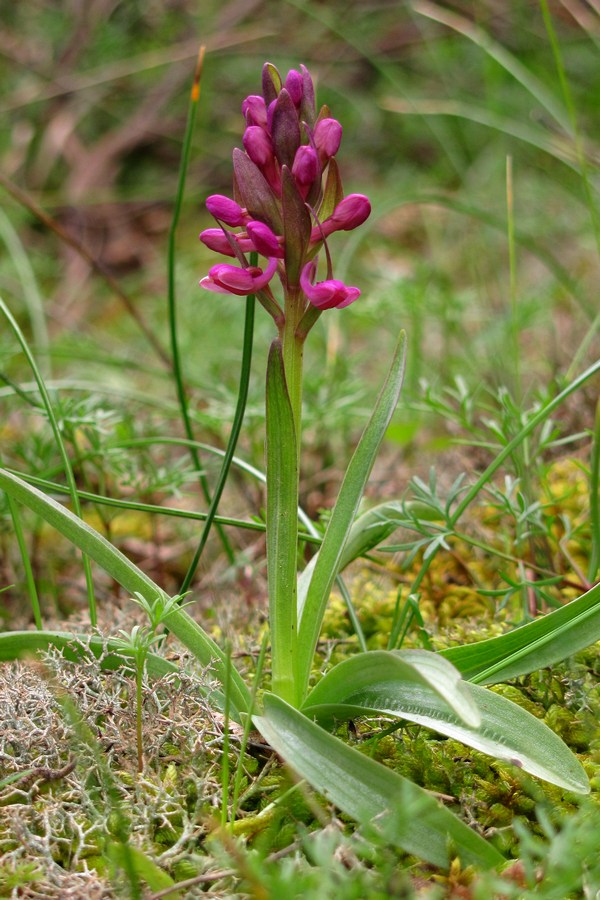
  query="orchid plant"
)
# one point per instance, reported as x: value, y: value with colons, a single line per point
x: 287, y: 201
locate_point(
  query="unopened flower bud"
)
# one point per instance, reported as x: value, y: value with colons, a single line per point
x: 254, y: 110
x: 216, y: 239
x: 265, y: 240
x: 327, y: 137
x: 226, y: 210
x: 350, y: 212
x: 294, y: 84
x: 306, y: 168
x: 257, y: 145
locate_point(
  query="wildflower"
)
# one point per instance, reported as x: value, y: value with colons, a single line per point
x: 350, y: 212
x: 226, y: 279
x: 228, y: 211
x: 329, y: 294
x: 288, y: 199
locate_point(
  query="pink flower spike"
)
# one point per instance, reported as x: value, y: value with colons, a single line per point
x: 254, y: 110
x: 327, y: 137
x: 226, y: 279
x: 215, y: 239
x: 226, y: 210
x: 265, y: 240
x: 329, y: 294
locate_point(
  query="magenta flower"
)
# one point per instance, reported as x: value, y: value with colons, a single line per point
x: 286, y: 184
x: 264, y: 240
x: 329, y: 294
x: 228, y: 211
x: 226, y: 279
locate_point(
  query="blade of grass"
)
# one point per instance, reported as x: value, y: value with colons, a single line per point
x: 29, y: 578
x: 501, y: 55
x: 45, y: 397
x: 236, y: 427
x: 171, y: 299
x: 131, y: 578
x: 594, y: 566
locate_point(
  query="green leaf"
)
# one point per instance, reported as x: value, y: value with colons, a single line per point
x: 505, y: 731
x: 375, y: 796
x: 545, y: 641
x: 344, y: 514
x: 394, y: 674
x: 131, y: 578
x: 282, y: 525
x: 17, y: 644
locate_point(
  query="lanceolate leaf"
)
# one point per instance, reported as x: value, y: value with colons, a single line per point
x: 282, y: 525
x: 506, y: 731
x: 397, y: 673
x: 375, y: 796
x: 131, y: 578
x: 344, y: 513
x: 543, y: 642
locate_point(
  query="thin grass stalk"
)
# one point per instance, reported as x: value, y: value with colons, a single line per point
x: 226, y: 723
x: 171, y: 299
x: 239, y: 771
x: 47, y: 405
x: 572, y: 113
x: 236, y: 427
x: 135, y: 506
x: 29, y: 579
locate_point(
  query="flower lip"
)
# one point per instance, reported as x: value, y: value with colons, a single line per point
x: 329, y: 294
x: 226, y: 279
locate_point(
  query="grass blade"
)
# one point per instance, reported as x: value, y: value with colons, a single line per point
x: 130, y: 577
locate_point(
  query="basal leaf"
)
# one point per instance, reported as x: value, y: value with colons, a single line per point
x: 397, y: 673
x: 371, y: 794
x: 544, y: 642
x: 506, y: 731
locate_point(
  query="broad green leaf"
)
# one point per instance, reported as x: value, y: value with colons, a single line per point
x: 370, y: 793
x: 543, y: 642
x: 344, y: 514
x: 18, y: 644
x: 395, y: 674
x: 506, y: 731
x: 131, y: 578
x: 282, y: 525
